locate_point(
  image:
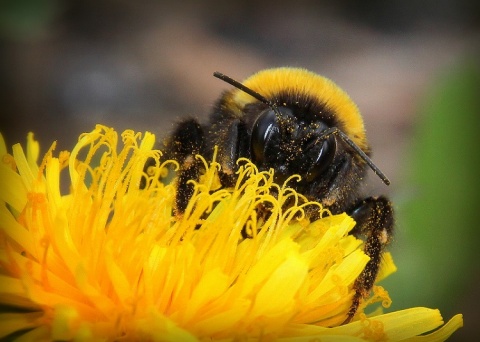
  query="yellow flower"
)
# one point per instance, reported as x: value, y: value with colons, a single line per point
x: 100, y: 258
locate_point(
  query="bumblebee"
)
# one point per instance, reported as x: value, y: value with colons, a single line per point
x: 295, y: 122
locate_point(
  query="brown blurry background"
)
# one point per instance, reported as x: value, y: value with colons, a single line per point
x: 67, y: 65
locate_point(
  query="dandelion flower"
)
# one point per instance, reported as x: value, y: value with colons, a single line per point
x: 105, y: 259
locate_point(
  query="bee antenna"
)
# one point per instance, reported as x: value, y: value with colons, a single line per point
x: 358, y: 150
x: 247, y: 90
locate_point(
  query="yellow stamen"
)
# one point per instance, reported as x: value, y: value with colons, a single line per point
x: 108, y: 261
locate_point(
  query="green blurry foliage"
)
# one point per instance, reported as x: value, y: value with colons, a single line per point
x: 26, y: 19
x: 437, y: 244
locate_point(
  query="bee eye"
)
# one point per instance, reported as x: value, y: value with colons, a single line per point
x: 321, y: 155
x: 280, y: 140
x: 264, y: 129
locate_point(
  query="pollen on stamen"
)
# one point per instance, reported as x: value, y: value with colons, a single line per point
x: 109, y: 260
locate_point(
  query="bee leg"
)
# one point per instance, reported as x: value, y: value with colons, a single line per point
x: 186, y: 141
x: 374, y: 217
x: 235, y: 146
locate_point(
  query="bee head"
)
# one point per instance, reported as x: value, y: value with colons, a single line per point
x: 296, y: 133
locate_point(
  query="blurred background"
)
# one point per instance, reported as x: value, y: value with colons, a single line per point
x: 411, y: 66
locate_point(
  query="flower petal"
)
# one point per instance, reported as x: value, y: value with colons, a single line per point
x: 109, y: 261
